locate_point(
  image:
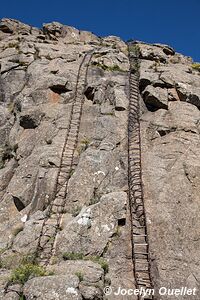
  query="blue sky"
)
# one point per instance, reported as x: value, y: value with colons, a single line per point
x: 173, y: 22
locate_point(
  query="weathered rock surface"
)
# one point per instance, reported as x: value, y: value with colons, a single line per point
x: 90, y: 275
x: 38, y: 78
x: 155, y: 97
x: 170, y: 159
x: 39, y: 71
x: 53, y: 287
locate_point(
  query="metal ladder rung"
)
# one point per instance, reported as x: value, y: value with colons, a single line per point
x: 143, y: 271
x: 136, y: 219
x: 144, y: 280
x: 139, y: 235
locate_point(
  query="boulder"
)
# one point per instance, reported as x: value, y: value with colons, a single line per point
x: 13, y: 26
x: 155, y: 97
x: 52, y: 287
x: 98, y: 223
x: 189, y: 93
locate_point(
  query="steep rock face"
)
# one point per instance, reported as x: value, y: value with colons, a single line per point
x: 39, y: 71
x: 171, y: 169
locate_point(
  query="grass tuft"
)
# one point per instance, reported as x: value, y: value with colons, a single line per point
x: 80, y: 256
x: 114, y: 68
x: 27, y: 269
x: 196, y: 66
x: 80, y: 275
x: 73, y: 256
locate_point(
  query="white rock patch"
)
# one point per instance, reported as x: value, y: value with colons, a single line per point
x: 71, y: 290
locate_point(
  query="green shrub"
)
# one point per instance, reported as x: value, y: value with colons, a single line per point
x: 114, y: 68
x: 24, y: 272
x: 85, y: 142
x: 134, y: 49
x: 196, y: 66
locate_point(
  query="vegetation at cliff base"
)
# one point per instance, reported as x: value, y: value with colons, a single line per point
x: 25, y: 272
x: 28, y: 269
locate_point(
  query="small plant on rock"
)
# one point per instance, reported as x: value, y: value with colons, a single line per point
x: 24, y: 272
x: 71, y: 173
x: 75, y: 211
x: 94, y: 200
x: 115, y: 68
x: 28, y: 268
x: 80, y: 275
x: 110, y: 114
x: 80, y: 256
x: 72, y: 256
x: 101, y: 261
x: 29, y: 258
x: 85, y: 142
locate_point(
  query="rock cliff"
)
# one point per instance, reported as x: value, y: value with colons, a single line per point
x: 66, y: 229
